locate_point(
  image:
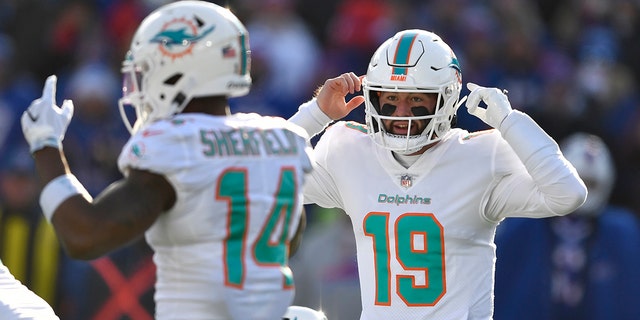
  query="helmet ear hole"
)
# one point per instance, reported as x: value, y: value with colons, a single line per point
x: 180, y: 100
x: 173, y: 79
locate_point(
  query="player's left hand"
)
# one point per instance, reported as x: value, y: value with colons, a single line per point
x: 44, y: 123
x: 498, y: 106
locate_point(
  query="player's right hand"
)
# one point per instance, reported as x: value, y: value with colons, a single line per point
x: 44, y: 123
x: 331, y: 97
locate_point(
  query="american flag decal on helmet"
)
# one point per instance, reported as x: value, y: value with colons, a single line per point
x: 228, y: 52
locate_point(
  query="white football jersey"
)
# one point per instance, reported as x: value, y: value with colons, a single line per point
x: 18, y: 302
x: 222, y: 251
x: 425, y: 234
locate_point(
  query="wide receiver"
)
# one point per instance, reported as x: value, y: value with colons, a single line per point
x: 425, y: 198
x: 218, y: 196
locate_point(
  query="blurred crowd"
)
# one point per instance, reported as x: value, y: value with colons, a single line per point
x: 572, y: 65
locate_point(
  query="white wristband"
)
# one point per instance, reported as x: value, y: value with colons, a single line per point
x: 58, y: 190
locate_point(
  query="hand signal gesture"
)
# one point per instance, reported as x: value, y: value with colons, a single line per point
x: 331, y: 97
x: 44, y: 123
x: 498, y: 106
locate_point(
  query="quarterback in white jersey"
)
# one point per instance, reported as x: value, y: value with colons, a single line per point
x: 425, y: 199
x: 218, y: 196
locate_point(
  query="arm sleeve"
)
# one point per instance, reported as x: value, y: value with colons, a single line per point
x: 320, y: 187
x: 311, y: 118
x: 550, y: 185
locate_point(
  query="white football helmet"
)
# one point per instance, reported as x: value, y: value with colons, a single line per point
x: 413, y: 61
x: 592, y: 159
x: 303, y: 313
x: 184, y: 50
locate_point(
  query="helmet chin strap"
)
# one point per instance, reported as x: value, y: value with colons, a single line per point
x: 460, y: 102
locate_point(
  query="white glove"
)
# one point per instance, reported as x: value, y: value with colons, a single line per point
x: 44, y: 123
x: 498, y: 106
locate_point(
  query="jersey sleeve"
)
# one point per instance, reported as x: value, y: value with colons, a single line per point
x: 303, y: 142
x: 157, y: 149
x: 320, y: 187
x: 535, y: 179
x: 311, y: 118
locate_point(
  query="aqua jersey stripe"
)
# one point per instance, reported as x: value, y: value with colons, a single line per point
x: 403, y: 51
x: 243, y: 55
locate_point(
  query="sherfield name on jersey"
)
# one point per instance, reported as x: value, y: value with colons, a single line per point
x: 248, y: 142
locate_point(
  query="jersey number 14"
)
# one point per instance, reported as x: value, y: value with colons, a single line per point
x: 271, y: 247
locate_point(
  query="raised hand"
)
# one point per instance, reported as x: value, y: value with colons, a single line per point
x: 498, y: 106
x: 44, y: 123
x: 331, y: 97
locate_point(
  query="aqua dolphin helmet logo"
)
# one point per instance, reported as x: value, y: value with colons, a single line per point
x: 178, y: 37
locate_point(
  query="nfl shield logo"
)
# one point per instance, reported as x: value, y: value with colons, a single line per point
x: 405, y: 180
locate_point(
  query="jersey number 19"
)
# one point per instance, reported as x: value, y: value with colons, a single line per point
x: 419, y: 247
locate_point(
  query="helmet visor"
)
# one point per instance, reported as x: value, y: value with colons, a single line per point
x: 131, y: 83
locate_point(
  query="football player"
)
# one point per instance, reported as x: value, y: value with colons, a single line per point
x: 423, y: 196
x: 218, y: 196
x: 18, y: 302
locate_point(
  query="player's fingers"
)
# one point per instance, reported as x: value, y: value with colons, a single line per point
x: 338, y: 84
x: 347, y: 82
x: 473, y: 100
x: 481, y: 113
x: 357, y: 82
x: 49, y: 90
x: 67, y: 109
x: 355, y: 102
x: 472, y: 86
x: 351, y: 82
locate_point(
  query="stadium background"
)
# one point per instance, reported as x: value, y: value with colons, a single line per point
x: 572, y: 65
